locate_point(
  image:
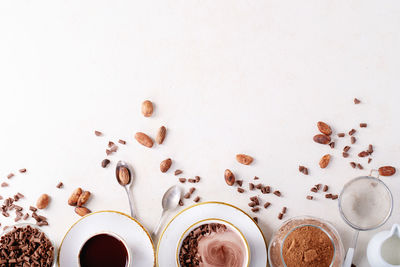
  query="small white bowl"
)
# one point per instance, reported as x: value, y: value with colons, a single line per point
x: 208, y: 221
x: 113, y: 235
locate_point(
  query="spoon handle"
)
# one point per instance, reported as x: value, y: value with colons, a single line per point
x: 155, y: 231
x: 128, y: 192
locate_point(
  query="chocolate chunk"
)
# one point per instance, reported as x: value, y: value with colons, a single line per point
x: 60, y: 185
x: 301, y: 168
x: 255, y: 219
x: 196, y: 199
x: 10, y: 175
x: 353, y: 164
x: 239, y: 182
x: 98, y: 133
x: 359, y: 166
x: 346, y: 148
x: 280, y: 216
x: 180, y: 202
x: 341, y: 134
x: 345, y: 154
x: 305, y: 171
x: 353, y: 140
x: 191, y: 180
x: 284, y: 209
x: 251, y: 186
x: 352, y: 131
x: 123, y: 142
x: 187, y: 195
x: 197, y: 179
x: 369, y: 160
x: 356, y: 101
x: 318, y: 186
x: 191, y: 190
x: 240, y: 190
x: 314, y: 189
x: 177, y: 172
x: 4, y: 184
x: 363, y: 125
x: 267, y: 204
x: 332, y: 144
x: 108, y: 152
x: 310, y: 197
x: 363, y: 154
x: 259, y: 186
x: 256, y: 178
x: 277, y: 193
x: 326, y: 188
x: 328, y: 195
x: 182, y: 180
x: 255, y: 209
x: 334, y: 197
x: 252, y: 204
x: 23, y: 170
x: 105, y: 163
x: 370, y: 149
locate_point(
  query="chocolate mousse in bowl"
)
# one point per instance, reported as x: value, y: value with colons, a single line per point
x: 213, y: 243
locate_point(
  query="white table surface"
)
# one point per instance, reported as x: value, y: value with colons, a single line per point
x: 226, y: 77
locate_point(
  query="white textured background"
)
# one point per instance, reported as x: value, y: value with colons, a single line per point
x: 226, y: 77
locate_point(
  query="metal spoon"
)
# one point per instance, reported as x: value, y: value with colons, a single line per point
x: 170, y: 201
x: 124, y: 177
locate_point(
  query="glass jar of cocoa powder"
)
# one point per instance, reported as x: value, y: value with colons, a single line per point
x: 306, y: 241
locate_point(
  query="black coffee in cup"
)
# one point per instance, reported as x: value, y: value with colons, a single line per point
x: 103, y: 250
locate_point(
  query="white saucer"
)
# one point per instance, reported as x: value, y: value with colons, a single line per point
x: 167, y: 245
x: 134, y: 234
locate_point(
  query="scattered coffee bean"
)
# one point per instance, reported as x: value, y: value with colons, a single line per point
x: 309, y: 197
x: 328, y: 195
x: 353, y: 165
x: 360, y: 166
x: 325, y: 188
x: 332, y: 144
x: 60, y: 185
x: 177, y: 172
x: 98, y: 133
x: 341, y: 134
x: 255, y: 209
x: 280, y: 216
x: 239, y: 182
x: 182, y: 180
x: 352, y: 131
x: 369, y: 160
x: 196, y: 199
x: 240, y: 190
x: 363, y: 125
x: 346, y: 148
x: 123, y: 142
x: 22, y: 170
x: 31, y: 208
x: 251, y: 186
x: 345, y: 154
x: 356, y: 101
x: 267, y: 204
x: 9, y: 176
x: 353, y: 140
x: 105, y: 163
x: 277, y: 193
x: 229, y: 177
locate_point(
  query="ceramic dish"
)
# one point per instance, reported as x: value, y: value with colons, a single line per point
x: 129, y: 229
x: 9, y: 229
x: 213, y: 220
x: 166, y: 249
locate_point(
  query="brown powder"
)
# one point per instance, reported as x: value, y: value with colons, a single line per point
x: 308, y: 246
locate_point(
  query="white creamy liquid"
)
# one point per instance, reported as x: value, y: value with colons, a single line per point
x: 366, y: 203
x: 390, y: 250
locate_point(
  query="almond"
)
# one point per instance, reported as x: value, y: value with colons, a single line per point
x: 82, y: 211
x: 161, y: 135
x: 387, y: 170
x: 147, y: 108
x: 324, y: 128
x: 244, y: 159
x: 323, y: 163
x: 43, y: 201
x: 229, y: 177
x: 84, y: 197
x: 165, y: 165
x: 144, y: 139
x: 73, y: 199
x: 322, y: 139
